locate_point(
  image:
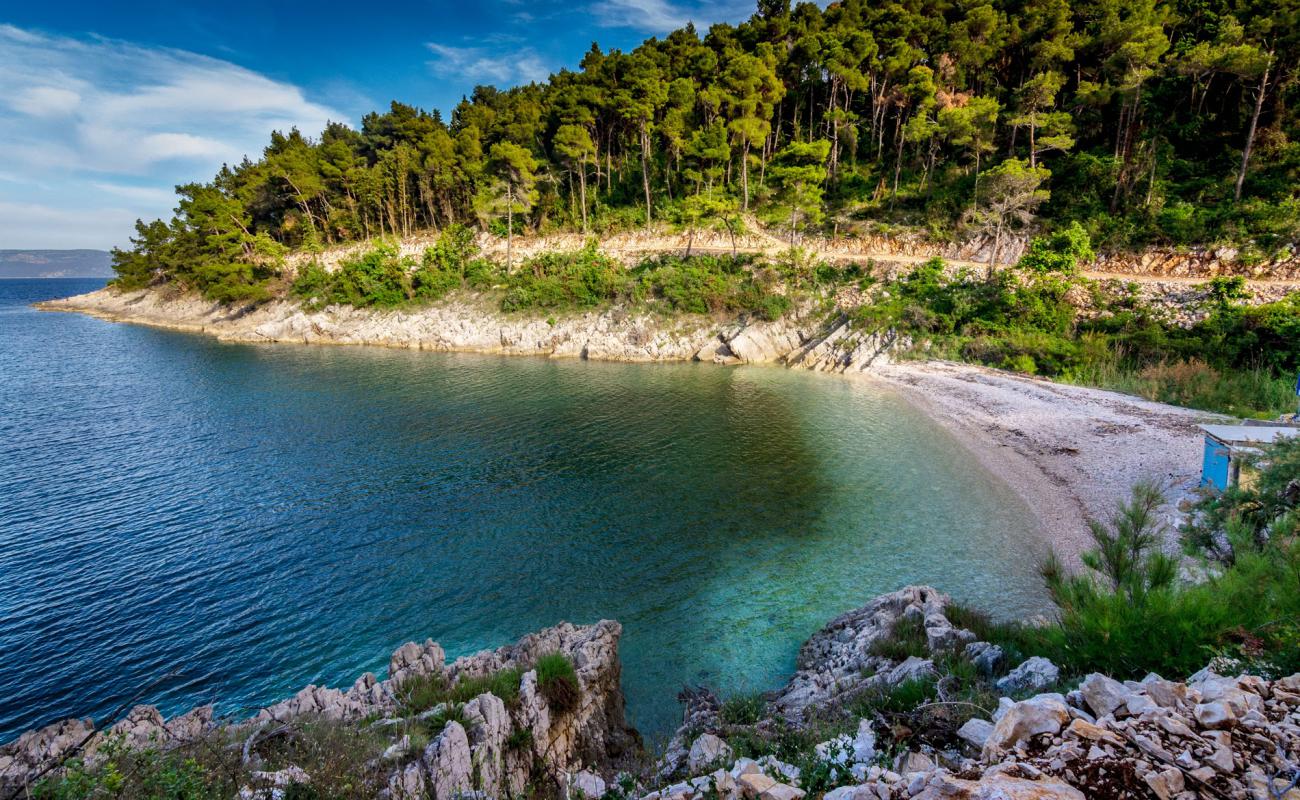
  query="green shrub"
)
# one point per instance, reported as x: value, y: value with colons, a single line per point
x: 743, y: 709
x: 580, y: 279
x: 558, y: 682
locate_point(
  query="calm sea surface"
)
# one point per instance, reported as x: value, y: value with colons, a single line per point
x: 263, y: 517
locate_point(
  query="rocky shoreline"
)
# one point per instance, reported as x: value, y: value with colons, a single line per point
x: 471, y: 324
x: 1211, y: 736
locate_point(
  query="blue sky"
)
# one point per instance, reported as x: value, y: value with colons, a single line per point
x: 104, y: 107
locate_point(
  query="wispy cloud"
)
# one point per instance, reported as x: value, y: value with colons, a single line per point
x: 77, y: 113
x: 661, y: 16
x: 508, y: 66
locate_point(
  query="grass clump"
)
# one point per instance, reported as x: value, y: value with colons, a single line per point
x: 419, y: 693
x: 906, y: 639
x: 742, y: 709
x: 557, y: 681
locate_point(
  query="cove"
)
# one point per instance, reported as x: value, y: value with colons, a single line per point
x: 257, y: 518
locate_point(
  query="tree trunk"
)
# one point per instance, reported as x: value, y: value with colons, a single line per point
x: 582, y: 190
x: 744, y: 176
x: 510, y: 222
x: 645, y: 169
x: 1254, y: 123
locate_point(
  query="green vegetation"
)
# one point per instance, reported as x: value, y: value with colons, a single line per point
x: 1043, y: 319
x: 1131, y: 614
x: 906, y: 639
x: 742, y: 709
x: 558, y: 682
x: 422, y: 692
x: 341, y: 760
x: 383, y: 277
x: 1147, y: 123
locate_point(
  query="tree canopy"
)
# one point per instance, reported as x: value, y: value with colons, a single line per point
x: 1147, y: 122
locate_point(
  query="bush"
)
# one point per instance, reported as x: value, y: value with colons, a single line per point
x: 379, y: 277
x: 742, y: 709
x: 580, y: 279
x: 558, y: 682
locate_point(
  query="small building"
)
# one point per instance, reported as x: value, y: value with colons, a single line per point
x: 1228, y: 447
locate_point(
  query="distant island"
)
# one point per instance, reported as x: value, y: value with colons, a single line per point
x: 55, y: 264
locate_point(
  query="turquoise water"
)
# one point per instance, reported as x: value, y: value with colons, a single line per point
x: 262, y: 517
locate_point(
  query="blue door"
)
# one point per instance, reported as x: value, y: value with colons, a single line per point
x: 1214, y: 471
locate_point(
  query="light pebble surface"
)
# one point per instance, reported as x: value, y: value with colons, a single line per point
x: 1071, y: 452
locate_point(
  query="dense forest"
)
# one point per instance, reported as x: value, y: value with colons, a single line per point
x: 1148, y: 122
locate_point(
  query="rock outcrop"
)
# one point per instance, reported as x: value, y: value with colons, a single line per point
x: 473, y: 756
x: 838, y: 660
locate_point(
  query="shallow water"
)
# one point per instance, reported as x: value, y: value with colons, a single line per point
x: 262, y: 517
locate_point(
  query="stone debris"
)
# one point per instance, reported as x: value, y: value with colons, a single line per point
x: 1245, y: 740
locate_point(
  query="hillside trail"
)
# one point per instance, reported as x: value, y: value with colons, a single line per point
x: 777, y: 247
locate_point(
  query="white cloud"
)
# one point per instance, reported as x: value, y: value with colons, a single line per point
x: 75, y: 113
x: 46, y: 101
x: 661, y: 16
x: 481, y: 65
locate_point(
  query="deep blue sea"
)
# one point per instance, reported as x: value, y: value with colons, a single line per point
x: 263, y: 517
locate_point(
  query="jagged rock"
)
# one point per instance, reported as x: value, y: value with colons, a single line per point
x: 837, y: 660
x: 488, y: 728
x: 141, y: 727
x: 753, y: 784
x: 1045, y: 713
x: 1163, y: 693
x: 284, y: 778
x: 1082, y: 729
x: 912, y: 669
x: 987, y: 658
x: 407, y: 783
x: 1102, y: 694
x: 411, y: 660
x: 772, y: 764
x: 1034, y: 675
x: 763, y: 342
x: 448, y: 762
x: 781, y: 791
x: 27, y: 754
x: 587, y: 784
x: 1215, y: 715
x: 706, y: 751
x: 1166, y: 783
x: 975, y: 732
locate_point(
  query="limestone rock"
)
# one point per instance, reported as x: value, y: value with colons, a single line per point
x: 448, y: 762
x: 586, y: 784
x: 975, y: 732
x: 1034, y: 675
x: 1103, y: 694
x: 1032, y: 717
x: 706, y: 751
